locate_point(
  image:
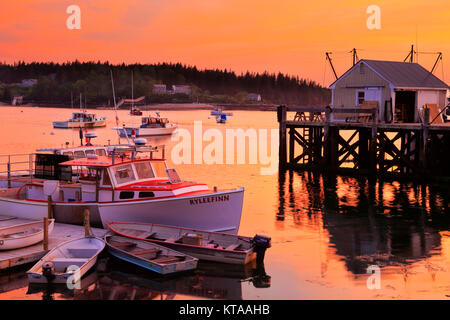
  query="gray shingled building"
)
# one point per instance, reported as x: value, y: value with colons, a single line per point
x: 400, y: 89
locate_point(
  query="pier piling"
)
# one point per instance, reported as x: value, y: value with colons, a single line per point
x: 45, y: 234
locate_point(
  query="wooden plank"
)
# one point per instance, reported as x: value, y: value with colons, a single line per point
x: 166, y: 260
x: 123, y: 244
x: 145, y: 251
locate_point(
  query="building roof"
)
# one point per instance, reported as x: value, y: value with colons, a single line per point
x: 402, y: 74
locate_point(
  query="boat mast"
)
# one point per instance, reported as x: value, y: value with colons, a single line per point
x: 115, y: 105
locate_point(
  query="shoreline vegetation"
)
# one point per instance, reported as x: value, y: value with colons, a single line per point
x: 160, y: 107
x: 64, y: 85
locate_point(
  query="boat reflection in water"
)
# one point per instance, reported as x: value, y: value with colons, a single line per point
x: 209, y: 281
x: 368, y: 223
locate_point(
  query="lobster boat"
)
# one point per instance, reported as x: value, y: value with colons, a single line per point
x: 130, y: 184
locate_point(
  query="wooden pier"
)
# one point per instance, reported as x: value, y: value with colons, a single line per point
x: 361, y: 145
x: 61, y: 233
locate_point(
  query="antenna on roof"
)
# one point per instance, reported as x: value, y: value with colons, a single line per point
x: 355, y: 56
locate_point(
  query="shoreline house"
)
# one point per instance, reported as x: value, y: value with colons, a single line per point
x: 159, y: 89
x: 399, y: 90
x: 181, y: 89
x: 254, y: 97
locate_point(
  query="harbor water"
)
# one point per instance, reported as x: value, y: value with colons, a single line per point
x: 330, y: 234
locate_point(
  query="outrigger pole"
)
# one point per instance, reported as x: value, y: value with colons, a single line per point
x: 410, y: 55
x: 331, y: 64
x: 437, y: 60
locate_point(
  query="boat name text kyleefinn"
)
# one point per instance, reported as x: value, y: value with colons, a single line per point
x: 209, y: 199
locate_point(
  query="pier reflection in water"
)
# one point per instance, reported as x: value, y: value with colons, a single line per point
x: 368, y: 222
x: 115, y: 280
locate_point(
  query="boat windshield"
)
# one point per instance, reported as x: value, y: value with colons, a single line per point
x: 144, y: 170
x: 123, y: 173
x: 160, y: 169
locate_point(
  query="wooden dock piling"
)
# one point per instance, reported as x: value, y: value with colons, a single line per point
x: 45, y: 242
x: 87, y: 227
x: 49, y: 207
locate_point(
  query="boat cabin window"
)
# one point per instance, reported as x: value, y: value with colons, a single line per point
x: 68, y: 153
x: 160, y: 169
x: 126, y: 195
x: 144, y: 170
x: 100, y: 152
x: 89, y: 151
x: 123, y: 173
x: 106, y: 181
x: 79, y: 154
x: 146, y: 194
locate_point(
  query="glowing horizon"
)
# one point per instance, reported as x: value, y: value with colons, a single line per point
x: 255, y: 36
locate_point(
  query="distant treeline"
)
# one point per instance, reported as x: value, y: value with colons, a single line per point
x: 63, y: 83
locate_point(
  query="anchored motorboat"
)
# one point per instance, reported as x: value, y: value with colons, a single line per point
x: 82, y: 119
x: 150, y: 126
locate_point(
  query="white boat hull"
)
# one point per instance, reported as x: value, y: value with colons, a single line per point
x: 35, y: 274
x: 25, y: 241
x: 24, y: 209
x: 219, y: 211
x: 75, y: 124
x: 145, y: 132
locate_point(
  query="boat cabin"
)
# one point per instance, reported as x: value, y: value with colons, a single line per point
x: 148, y: 122
x: 83, y: 117
x: 78, y: 152
x: 125, y: 179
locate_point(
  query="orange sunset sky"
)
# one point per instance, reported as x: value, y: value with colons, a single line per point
x: 290, y: 36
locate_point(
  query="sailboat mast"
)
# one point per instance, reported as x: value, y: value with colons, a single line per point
x: 132, y: 91
x: 115, y: 105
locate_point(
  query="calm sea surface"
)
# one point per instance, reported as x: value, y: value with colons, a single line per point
x: 326, y: 231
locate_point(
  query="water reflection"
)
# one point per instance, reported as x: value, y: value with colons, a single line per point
x: 368, y: 222
x: 115, y: 280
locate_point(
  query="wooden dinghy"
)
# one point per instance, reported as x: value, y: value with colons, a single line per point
x: 149, y: 255
x: 68, y: 262
x: 204, y: 245
x: 23, y: 235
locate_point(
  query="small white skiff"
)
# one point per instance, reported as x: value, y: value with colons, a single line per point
x: 68, y: 262
x: 23, y: 235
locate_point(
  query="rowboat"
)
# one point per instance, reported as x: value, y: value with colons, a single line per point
x: 23, y: 235
x: 68, y: 262
x: 204, y: 245
x: 149, y: 255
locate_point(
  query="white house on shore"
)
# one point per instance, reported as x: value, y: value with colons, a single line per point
x: 400, y: 90
x: 159, y: 89
x: 254, y: 97
x: 181, y: 89
x: 28, y: 82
